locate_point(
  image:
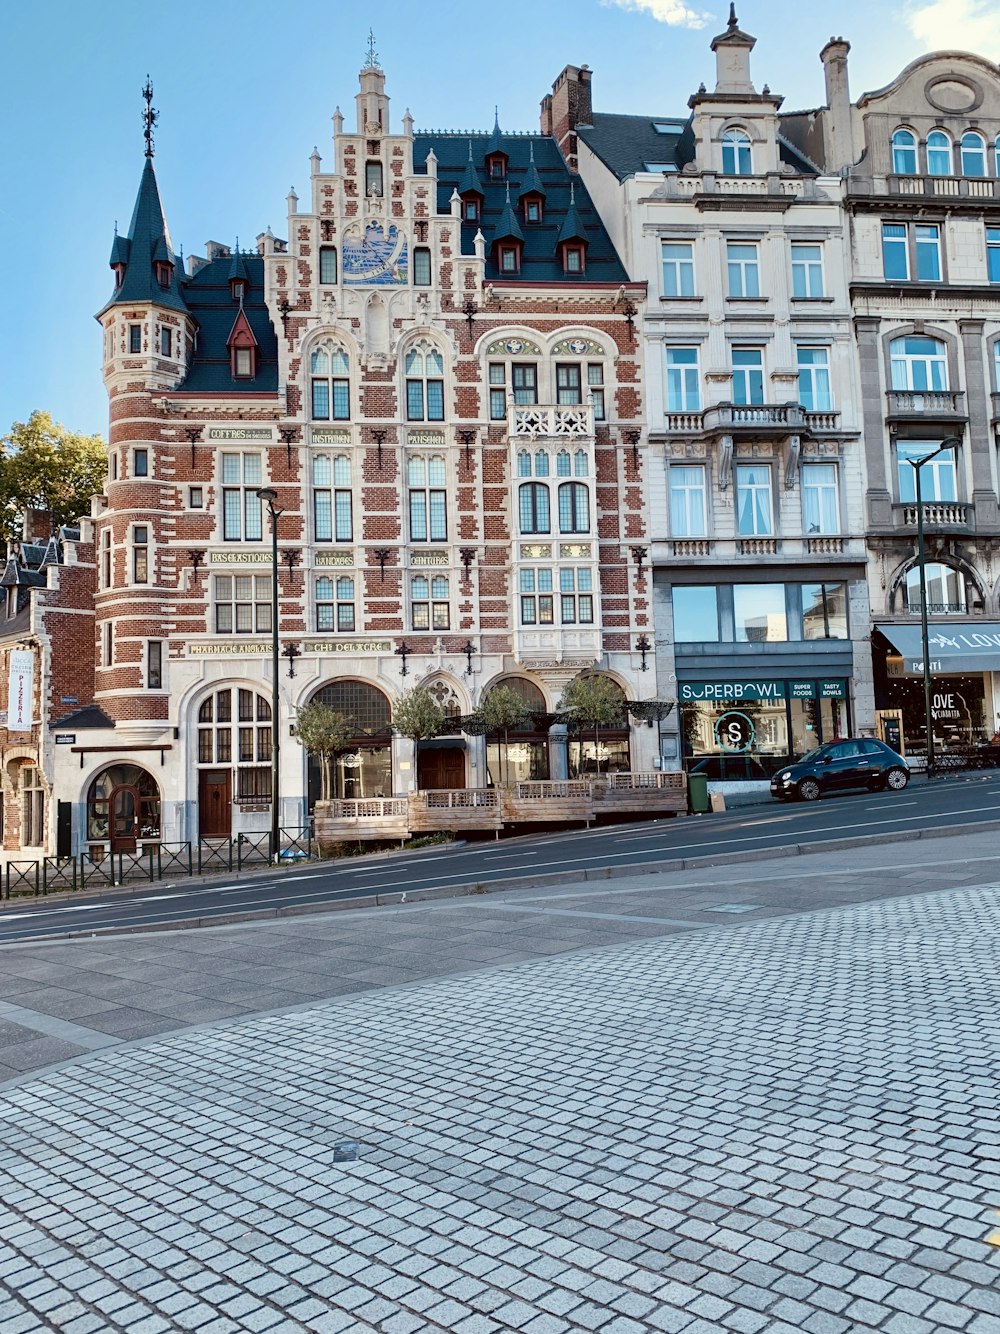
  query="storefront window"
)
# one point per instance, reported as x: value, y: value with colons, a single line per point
x: 749, y: 729
x: 364, y: 767
x: 123, y: 778
x: 958, y: 709
x: 696, y: 614
x: 760, y: 615
x: 518, y: 762
x: 606, y: 756
x: 824, y: 611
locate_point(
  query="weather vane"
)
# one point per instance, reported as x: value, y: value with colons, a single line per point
x: 372, y: 61
x: 149, y: 117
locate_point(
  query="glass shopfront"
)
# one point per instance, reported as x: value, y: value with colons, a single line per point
x: 750, y: 729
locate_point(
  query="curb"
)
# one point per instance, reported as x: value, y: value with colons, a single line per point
x: 514, y: 883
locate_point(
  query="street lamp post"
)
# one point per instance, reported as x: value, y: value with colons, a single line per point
x: 952, y: 442
x: 268, y: 495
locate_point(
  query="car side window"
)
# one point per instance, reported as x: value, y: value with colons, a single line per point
x: 838, y: 752
x: 872, y: 748
x: 848, y: 750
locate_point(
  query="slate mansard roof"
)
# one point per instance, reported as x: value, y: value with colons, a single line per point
x: 631, y: 144
x: 540, y: 258
x: 209, y: 299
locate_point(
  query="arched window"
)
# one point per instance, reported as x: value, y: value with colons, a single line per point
x: 737, y: 159
x: 581, y: 464
x: 424, y: 384
x: 904, y: 153
x: 332, y: 508
x: 918, y: 362
x: 541, y: 463
x: 364, y: 767
x: 521, y: 754
x: 603, y: 748
x: 564, y: 467
x: 947, y: 594
x: 574, y: 508
x: 533, y: 507
x: 523, y: 463
x: 123, y: 805
x: 429, y: 606
x: 973, y: 154
x: 331, y: 396
x: 335, y: 603
x: 939, y: 156
x: 239, y: 738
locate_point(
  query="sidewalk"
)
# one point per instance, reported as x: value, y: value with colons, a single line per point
x: 700, y: 1101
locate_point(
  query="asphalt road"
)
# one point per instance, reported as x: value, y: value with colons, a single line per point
x: 756, y: 829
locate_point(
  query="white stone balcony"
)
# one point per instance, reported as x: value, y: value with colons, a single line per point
x: 726, y: 550
x: 557, y: 423
x: 925, y: 404
x: 739, y: 419
x: 938, y: 514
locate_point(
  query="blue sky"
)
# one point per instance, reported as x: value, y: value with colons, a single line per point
x: 246, y: 89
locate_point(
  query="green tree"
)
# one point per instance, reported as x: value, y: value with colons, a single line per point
x: 593, y: 701
x: 324, y: 732
x: 502, y: 710
x: 417, y: 715
x: 44, y: 466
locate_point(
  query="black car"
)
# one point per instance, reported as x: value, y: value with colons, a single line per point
x: 854, y: 762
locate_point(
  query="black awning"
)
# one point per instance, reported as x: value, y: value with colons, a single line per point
x: 954, y: 646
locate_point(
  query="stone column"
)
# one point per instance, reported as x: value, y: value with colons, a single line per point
x: 879, y: 495
x: 984, y: 498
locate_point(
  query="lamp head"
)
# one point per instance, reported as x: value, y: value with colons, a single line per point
x: 267, y: 494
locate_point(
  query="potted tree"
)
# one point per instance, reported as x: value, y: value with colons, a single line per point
x: 418, y: 716
x: 501, y: 712
x: 324, y: 732
x: 592, y: 702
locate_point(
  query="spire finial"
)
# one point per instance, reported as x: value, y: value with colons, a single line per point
x: 508, y: 192
x: 531, y: 152
x: 496, y: 115
x: 149, y: 117
x: 371, y: 59
x: 572, y: 193
x: 733, y: 24
x: 470, y: 150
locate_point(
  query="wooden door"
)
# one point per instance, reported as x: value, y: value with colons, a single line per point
x: 215, y: 809
x: 124, y: 818
x: 441, y: 768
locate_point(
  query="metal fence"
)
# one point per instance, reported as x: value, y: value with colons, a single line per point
x: 53, y: 875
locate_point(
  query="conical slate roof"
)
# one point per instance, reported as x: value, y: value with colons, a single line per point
x: 507, y: 226
x: 148, y: 243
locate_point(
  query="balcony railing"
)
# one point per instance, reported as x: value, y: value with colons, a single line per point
x: 943, y: 187
x: 925, y: 403
x: 937, y: 514
x: 938, y: 608
x: 789, y: 546
x: 753, y: 419
x: 559, y: 423
x: 757, y: 546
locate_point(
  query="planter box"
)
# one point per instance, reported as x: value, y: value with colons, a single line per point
x: 653, y: 793
x: 550, y: 801
x: 370, y: 818
x: 454, y: 808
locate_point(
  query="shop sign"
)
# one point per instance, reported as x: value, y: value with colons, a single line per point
x: 348, y: 646
x: 945, y: 706
x: 261, y: 557
x: 239, y: 433
x: 730, y: 690
x: 802, y: 689
x: 334, y: 557
x: 429, y: 558
x: 425, y: 437
x: 227, y: 650
x: 65, y: 738
x: 331, y: 437
x: 20, y: 690
x: 832, y: 690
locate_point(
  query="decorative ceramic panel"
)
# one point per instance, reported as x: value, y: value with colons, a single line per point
x: 375, y: 258
x: 577, y: 347
x: 513, y: 347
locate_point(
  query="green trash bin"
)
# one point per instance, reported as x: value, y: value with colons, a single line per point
x: 697, y: 794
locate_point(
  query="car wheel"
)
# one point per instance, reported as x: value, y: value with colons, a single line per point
x: 896, y: 779
x: 809, y: 789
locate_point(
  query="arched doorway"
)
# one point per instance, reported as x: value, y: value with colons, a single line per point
x: 123, y: 807
x: 234, y: 757
x: 522, y: 753
x: 364, y: 767
x: 440, y: 760
x: 602, y: 749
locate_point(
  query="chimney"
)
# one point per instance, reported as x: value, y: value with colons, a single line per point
x: 568, y: 106
x: 839, y: 142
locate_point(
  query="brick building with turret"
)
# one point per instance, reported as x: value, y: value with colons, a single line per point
x: 437, y: 374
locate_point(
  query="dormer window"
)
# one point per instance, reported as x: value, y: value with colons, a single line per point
x: 162, y: 273
x: 532, y: 209
x: 243, y: 367
x: 470, y: 209
x: 243, y: 348
x: 496, y: 165
x: 238, y: 288
x: 510, y: 257
x: 119, y: 275
x: 737, y: 159
x: 573, y: 259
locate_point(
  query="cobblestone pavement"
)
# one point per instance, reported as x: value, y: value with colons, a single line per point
x: 783, y: 1126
